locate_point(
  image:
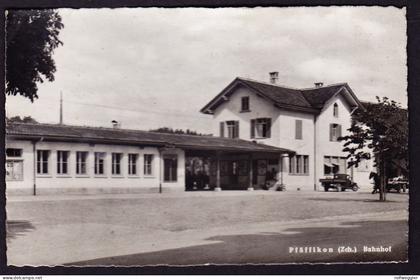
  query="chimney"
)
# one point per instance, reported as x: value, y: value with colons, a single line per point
x: 318, y: 84
x: 274, y: 76
x: 115, y: 124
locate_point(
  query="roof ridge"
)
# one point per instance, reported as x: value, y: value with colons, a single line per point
x: 331, y: 85
x: 267, y: 83
x: 113, y: 129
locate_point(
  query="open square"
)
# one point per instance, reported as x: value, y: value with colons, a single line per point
x: 204, y: 227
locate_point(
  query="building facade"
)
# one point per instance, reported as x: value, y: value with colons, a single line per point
x: 307, y: 121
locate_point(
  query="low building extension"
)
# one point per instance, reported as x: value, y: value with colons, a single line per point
x: 54, y: 158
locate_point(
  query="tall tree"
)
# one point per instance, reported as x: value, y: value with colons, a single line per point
x: 382, y: 128
x: 31, y: 37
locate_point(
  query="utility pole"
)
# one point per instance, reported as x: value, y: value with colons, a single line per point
x: 61, y: 107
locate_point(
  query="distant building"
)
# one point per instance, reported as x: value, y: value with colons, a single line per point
x: 307, y: 121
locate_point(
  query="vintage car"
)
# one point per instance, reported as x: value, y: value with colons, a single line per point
x: 340, y: 182
x: 397, y: 184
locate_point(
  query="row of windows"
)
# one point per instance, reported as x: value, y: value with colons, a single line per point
x: 261, y: 128
x: 43, y: 158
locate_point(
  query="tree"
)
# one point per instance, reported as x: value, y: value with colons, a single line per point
x: 382, y: 128
x: 175, y: 131
x: 31, y: 38
x: 26, y: 119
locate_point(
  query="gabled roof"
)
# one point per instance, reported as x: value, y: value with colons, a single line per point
x: 310, y: 100
x: 84, y: 134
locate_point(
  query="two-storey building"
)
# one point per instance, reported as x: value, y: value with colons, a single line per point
x: 308, y: 121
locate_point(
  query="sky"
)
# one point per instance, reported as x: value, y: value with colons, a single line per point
x: 155, y: 67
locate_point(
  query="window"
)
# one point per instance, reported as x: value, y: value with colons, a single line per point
x: 170, y: 167
x: 13, y: 152
x: 132, y: 164
x: 116, y: 163
x: 335, y: 132
x: 148, y: 167
x: 62, y: 162
x: 261, y: 128
x: 42, y: 157
x: 81, y: 158
x: 299, y: 165
x: 222, y: 129
x: 232, y: 129
x: 245, y: 104
x: 14, y: 170
x: 298, y: 129
x: 100, y: 163
x: 335, y: 110
x: 333, y: 165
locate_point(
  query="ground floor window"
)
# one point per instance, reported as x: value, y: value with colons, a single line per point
x: 11, y: 152
x: 116, y: 163
x: 81, y: 158
x: 132, y: 164
x: 42, y: 157
x: 334, y: 165
x: 99, y: 163
x: 62, y: 162
x: 299, y: 165
x: 170, y: 167
x: 148, y: 164
x: 14, y: 170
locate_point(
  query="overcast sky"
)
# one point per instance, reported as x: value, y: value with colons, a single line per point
x: 156, y: 67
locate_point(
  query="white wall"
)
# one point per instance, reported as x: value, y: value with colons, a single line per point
x: 304, y: 146
x: 259, y: 108
x: 325, y: 147
x: 91, y: 183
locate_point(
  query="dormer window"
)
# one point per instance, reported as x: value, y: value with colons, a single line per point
x: 335, y: 110
x: 245, y: 104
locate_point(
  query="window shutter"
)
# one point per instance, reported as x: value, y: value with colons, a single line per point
x: 331, y: 132
x: 338, y: 130
x: 298, y: 129
x: 222, y: 129
x: 268, y: 128
x: 236, y: 134
x: 252, y: 129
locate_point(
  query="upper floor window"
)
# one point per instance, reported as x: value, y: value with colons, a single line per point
x: 81, y: 159
x: 100, y: 163
x: 335, y: 131
x: 232, y: 129
x: 335, y: 110
x: 245, y: 104
x: 132, y: 164
x: 62, y: 162
x: 42, y: 157
x: 148, y: 164
x: 13, y: 152
x: 261, y: 128
x: 116, y: 163
x: 298, y: 129
x: 299, y: 165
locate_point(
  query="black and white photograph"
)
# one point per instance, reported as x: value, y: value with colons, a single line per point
x: 192, y: 136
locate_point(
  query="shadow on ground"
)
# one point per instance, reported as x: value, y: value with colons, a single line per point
x: 274, y: 247
x: 18, y: 228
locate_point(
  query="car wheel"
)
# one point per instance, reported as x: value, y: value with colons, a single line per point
x: 355, y: 188
x: 325, y: 189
